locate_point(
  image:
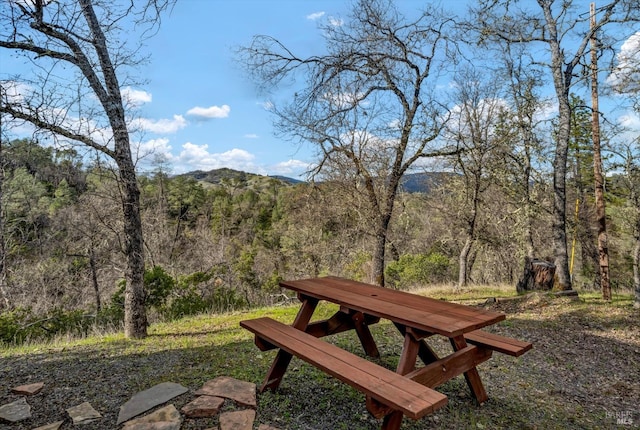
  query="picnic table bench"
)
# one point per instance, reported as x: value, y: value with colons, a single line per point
x: 390, y: 395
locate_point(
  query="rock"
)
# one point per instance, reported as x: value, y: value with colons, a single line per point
x: 52, y: 426
x: 237, y: 420
x: 15, y: 411
x: 166, y: 418
x: 266, y: 427
x: 148, y: 399
x: 566, y: 293
x: 28, y: 390
x: 241, y: 392
x: 83, y: 414
x: 203, y: 406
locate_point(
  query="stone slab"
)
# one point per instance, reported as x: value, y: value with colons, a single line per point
x: 238, y: 420
x: 15, y: 411
x: 241, y: 392
x: 166, y: 418
x: 52, y: 426
x: 29, y: 389
x: 83, y: 413
x: 203, y: 406
x: 148, y: 399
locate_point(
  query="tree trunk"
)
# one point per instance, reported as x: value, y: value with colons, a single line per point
x: 462, y: 261
x: 561, y: 81
x: 378, y: 259
x: 537, y: 275
x: 636, y: 265
x: 559, y: 234
x: 94, y: 277
x: 603, y: 247
x: 135, y: 322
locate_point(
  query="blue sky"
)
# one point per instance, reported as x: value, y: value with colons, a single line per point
x: 201, y: 109
x: 198, y: 108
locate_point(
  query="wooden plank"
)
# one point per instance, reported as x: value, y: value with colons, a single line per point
x: 413, y: 399
x: 505, y: 345
x: 424, y: 313
x: 441, y: 371
x: 409, y: 299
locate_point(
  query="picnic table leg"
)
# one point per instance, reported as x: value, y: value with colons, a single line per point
x: 364, y: 334
x: 471, y: 376
x: 406, y: 364
x: 283, y: 358
x: 425, y: 352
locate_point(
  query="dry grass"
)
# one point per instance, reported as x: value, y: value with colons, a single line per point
x: 583, y: 373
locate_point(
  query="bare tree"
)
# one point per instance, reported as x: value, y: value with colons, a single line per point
x: 473, y: 127
x: 625, y: 79
x: 565, y: 33
x: 85, y: 106
x: 370, y: 105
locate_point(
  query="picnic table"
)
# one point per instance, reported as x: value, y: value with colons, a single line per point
x: 410, y: 390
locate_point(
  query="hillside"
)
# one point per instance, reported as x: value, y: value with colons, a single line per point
x: 412, y: 183
x: 218, y: 176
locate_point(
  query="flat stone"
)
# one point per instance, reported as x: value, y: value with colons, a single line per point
x: 28, y: 390
x: 203, y: 406
x: 83, y: 414
x: 267, y: 427
x: 166, y: 418
x: 148, y: 399
x: 52, y: 426
x: 15, y: 411
x: 223, y: 386
x: 238, y: 420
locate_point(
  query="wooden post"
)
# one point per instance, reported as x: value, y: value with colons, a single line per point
x: 603, y: 248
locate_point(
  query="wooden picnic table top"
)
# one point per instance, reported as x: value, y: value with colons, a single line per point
x: 411, y: 310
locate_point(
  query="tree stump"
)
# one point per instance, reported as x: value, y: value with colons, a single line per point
x: 538, y: 275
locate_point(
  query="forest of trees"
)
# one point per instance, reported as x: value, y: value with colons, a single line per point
x: 81, y: 231
x: 227, y: 244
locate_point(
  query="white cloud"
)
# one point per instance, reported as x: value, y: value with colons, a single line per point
x: 315, y: 15
x: 251, y: 136
x: 155, y: 146
x: 626, y: 75
x: 135, y: 97
x: 145, y: 151
x: 267, y: 105
x: 210, y: 112
x: 291, y: 168
x: 630, y: 120
x: 14, y: 91
x: 336, y: 22
x: 161, y: 126
x: 345, y: 100
x: 197, y: 157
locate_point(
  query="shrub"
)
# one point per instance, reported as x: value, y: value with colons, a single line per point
x: 417, y: 269
x: 21, y: 325
x: 158, y: 285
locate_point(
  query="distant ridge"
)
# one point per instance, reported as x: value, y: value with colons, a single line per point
x: 286, y: 179
x: 217, y: 176
x: 411, y: 183
x: 423, y: 182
